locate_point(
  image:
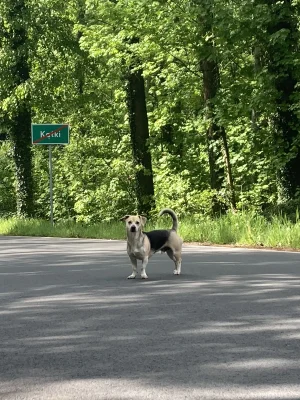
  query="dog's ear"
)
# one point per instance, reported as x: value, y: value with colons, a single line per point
x: 143, y: 219
x: 124, y: 218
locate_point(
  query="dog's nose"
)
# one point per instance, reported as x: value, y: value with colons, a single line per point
x: 133, y: 229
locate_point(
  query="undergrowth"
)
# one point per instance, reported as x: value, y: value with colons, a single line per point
x: 242, y: 228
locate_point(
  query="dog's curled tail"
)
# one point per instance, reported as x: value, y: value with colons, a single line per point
x: 173, y: 215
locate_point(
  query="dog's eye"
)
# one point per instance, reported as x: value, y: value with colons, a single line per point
x: 137, y: 222
x: 129, y: 222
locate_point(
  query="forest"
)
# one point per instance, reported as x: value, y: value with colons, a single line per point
x: 188, y: 104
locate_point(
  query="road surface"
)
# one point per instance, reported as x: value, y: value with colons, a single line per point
x: 73, y: 327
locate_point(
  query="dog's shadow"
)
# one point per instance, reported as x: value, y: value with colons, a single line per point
x: 165, y: 277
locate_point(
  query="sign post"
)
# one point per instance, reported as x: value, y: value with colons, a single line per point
x: 50, y: 184
x: 50, y: 134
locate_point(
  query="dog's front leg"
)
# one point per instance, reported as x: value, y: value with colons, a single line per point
x: 144, y: 265
x: 134, y: 267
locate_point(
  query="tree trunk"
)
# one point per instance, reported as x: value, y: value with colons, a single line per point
x: 229, y: 170
x: 210, y: 73
x: 170, y: 135
x: 19, y: 126
x: 257, y: 67
x: 81, y: 54
x: 215, y: 134
x: 139, y: 131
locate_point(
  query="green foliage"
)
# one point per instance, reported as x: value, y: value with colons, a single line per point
x: 7, y: 181
x: 78, y: 52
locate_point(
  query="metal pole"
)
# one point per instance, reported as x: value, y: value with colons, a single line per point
x: 51, y: 185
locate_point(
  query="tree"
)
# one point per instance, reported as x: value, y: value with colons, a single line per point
x: 216, y: 134
x: 139, y: 133
x: 16, y: 97
x: 117, y: 33
x: 282, y: 61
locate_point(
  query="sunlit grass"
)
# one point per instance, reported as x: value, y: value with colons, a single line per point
x: 34, y: 227
x: 243, y: 228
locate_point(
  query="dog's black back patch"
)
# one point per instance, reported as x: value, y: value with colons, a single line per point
x: 158, y: 238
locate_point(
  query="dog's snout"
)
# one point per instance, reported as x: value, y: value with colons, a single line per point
x: 133, y: 228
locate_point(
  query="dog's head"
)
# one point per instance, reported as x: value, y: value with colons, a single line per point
x: 134, y: 223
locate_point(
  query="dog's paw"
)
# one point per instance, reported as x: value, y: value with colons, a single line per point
x: 175, y: 272
x: 132, y: 276
x: 144, y: 276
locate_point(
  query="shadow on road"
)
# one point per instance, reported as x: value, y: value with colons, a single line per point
x: 228, y: 328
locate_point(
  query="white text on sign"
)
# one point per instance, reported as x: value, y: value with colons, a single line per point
x: 56, y: 134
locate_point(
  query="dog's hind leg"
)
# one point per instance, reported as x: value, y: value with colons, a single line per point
x: 177, y: 270
x: 134, y: 267
x: 176, y: 257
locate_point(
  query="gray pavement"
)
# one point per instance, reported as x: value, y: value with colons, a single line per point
x: 73, y: 327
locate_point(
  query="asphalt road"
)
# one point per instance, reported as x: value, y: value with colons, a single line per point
x: 73, y: 327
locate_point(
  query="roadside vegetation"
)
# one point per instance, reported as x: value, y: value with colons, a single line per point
x: 240, y: 229
x: 187, y: 104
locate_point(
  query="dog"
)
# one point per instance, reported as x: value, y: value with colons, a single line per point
x: 142, y: 245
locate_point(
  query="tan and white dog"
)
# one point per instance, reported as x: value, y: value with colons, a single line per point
x: 142, y: 245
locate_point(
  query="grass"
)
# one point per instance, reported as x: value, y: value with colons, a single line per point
x: 241, y: 229
x: 35, y: 227
x: 245, y: 229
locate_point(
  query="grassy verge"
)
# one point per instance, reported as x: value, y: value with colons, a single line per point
x: 235, y: 229
x: 34, y: 227
x: 244, y: 229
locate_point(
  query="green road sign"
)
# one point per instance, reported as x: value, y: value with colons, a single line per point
x: 49, y: 133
